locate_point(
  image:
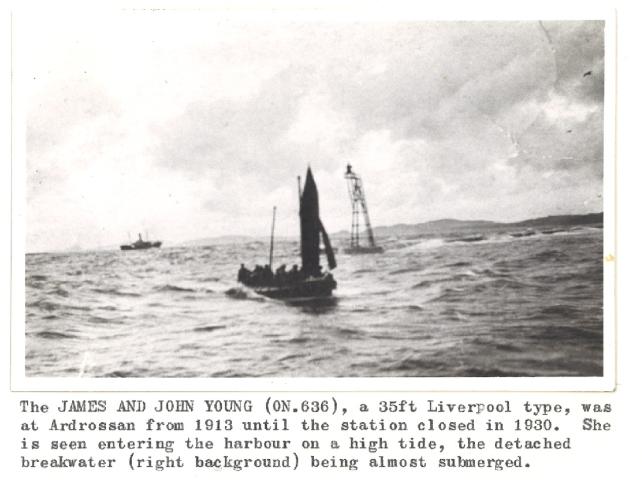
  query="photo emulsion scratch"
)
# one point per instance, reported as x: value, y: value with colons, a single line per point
x: 211, y: 197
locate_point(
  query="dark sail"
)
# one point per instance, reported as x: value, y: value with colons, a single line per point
x: 308, y: 283
x: 332, y: 263
x: 309, y: 216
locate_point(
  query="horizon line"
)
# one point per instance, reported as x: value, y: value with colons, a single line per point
x: 343, y: 231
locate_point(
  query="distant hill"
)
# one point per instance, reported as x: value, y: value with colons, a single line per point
x: 223, y: 239
x: 449, y: 225
x: 227, y: 239
x: 444, y: 226
x: 563, y: 220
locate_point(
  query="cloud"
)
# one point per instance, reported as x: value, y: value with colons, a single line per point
x: 200, y: 131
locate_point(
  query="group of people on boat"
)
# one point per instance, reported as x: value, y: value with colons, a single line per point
x: 263, y: 275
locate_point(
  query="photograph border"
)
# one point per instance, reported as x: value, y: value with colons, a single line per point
x: 19, y: 382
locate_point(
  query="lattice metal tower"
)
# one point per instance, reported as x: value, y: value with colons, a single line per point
x: 358, y: 199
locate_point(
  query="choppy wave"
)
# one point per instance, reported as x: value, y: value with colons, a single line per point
x: 467, y: 239
x: 173, y: 288
x: 53, y: 335
x: 475, y: 303
x: 209, y: 328
x: 115, y: 291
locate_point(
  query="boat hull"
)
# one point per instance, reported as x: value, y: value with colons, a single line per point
x: 308, y: 289
x: 147, y: 245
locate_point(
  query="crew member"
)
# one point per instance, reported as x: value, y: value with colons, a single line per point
x: 243, y: 274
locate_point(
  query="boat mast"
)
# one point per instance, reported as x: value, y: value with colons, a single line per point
x: 272, y: 235
x: 298, y: 181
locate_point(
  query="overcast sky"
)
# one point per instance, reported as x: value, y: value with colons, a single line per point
x: 187, y: 126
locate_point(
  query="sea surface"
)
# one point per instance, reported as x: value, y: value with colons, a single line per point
x: 471, y: 304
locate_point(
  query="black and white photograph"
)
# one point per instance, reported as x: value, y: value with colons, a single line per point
x: 212, y: 195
